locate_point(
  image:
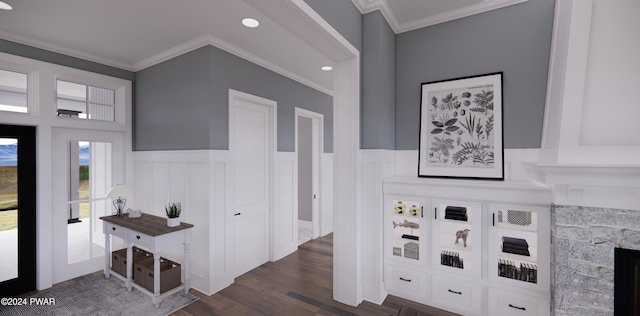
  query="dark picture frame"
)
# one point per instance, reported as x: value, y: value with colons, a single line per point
x: 461, y: 132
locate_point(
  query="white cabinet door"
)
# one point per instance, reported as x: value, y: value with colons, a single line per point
x: 457, y: 237
x: 405, y: 229
x: 518, y: 252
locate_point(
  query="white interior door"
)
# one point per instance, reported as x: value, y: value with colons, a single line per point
x: 251, y: 145
x: 85, y: 166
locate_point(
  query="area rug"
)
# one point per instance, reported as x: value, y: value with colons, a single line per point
x: 97, y: 295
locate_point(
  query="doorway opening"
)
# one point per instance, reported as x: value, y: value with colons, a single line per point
x: 17, y: 209
x: 309, y: 149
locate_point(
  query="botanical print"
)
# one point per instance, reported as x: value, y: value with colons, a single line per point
x: 460, y: 128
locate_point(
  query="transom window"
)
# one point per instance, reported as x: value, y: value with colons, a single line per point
x: 85, y: 101
x: 13, y: 91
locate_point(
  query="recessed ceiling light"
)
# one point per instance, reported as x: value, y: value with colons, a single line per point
x: 326, y: 68
x: 5, y: 6
x: 250, y: 22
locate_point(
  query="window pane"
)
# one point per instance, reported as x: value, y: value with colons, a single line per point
x: 71, y: 106
x: 101, y: 96
x: 90, y: 180
x: 73, y: 91
x: 13, y: 91
x: 101, y: 112
x: 74, y: 102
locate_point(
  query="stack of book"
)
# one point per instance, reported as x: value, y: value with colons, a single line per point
x: 516, y: 246
x: 457, y: 213
x: 527, y: 272
x: 452, y: 259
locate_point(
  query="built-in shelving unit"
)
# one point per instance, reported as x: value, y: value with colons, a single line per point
x: 472, y: 247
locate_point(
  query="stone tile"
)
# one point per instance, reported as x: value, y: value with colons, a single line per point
x: 630, y: 239
x: 572, y: 232
x: 584, y: 268
x: 628, y: 219
x: 570, y: 216
x: 597, y: 254
x: 606, y: 236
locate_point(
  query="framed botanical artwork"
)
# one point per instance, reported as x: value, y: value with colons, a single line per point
x: 461, y: 128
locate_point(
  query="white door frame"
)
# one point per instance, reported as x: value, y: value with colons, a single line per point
x: 234, y: 97
x: 317, y: 129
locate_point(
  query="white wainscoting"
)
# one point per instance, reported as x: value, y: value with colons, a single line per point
x: 376, y: 165
x: 326, y: 198
x: 285, y: 214
x: 202, y: 181
x: 199, y: 180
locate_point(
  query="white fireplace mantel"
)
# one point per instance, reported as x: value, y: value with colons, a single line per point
x: 590, y: 185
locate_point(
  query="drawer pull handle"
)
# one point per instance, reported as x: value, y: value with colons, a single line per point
x: 406, y: 280
x: 455, y: 292
x: 138, y: 236
x: 114, y: 229
x: 517, y: 307
x: 236, y: 214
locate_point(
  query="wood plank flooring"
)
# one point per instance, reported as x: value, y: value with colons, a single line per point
x: 299, y: 284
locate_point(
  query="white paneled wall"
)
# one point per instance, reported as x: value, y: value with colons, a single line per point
x: 326, y: 198
x: 197, y: 179
x: 376, y: 165
x: 202, y: 181
x: 285, y: 215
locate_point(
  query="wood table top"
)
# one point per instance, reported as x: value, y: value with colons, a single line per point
x: 147, y: 224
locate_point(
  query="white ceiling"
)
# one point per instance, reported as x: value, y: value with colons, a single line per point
x: 133, y: 35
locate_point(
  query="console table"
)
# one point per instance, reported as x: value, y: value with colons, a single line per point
x: 148, y: 232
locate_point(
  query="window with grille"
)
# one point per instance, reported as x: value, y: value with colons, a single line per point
x: 13, y: 91
x: 85, y: 101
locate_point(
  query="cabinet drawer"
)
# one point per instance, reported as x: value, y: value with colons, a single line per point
x: 406, y: 282
x: 462, y: 296
x: 115, y: 230
x: 142, y: 240
x: 504, y: 303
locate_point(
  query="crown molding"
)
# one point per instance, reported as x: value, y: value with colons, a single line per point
x: 64, y: 51
x: 463, y: 12
x: 367, y: 6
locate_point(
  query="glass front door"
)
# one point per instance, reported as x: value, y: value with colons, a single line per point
x: 17, y: 209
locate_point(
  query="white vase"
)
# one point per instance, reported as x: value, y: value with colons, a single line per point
x: 173, y: 222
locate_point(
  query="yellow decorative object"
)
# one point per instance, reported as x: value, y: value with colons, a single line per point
x: 413, y: 210
x: 399, y: 207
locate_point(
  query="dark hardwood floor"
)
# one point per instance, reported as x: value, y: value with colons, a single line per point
x: 299, y: 284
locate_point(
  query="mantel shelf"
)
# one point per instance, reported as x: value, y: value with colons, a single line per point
x: 625, y: 176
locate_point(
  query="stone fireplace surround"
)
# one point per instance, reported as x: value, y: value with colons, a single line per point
x: 595, y: 210
x: 582, y: 247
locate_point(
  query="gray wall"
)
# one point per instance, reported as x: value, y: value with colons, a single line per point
x: 343, y: 16
x: 173, y: 104
x: 64, y: 60
x: 305, y: 169
x: 515, y: 40
x: 183, y: 103
x: 378, y: 83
